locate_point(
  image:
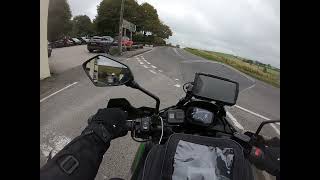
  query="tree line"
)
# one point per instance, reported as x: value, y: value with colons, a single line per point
x: 150, y: 29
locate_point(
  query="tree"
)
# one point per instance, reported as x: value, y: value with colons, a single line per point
x: 150, y: 18
x: 144, y: 16
x: 59, y: 19
x: 107, y: 18
x: 163, y: 31
x: 159, y: 41
x: 82, y: 26
x: 108, y: 12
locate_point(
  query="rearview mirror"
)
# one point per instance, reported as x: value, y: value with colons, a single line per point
x: 104, y: 71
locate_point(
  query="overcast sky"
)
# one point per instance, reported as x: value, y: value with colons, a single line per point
x: 247, y: 28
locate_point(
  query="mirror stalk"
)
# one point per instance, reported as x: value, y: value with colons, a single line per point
x: 135, y: 85
x: 264, y: 123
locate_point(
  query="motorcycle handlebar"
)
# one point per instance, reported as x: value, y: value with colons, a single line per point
x: 129, y: 125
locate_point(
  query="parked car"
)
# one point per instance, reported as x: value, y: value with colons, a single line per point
x: 49, y: 49
x: 86, y: 39
x: 100, y: 43
x: 58, y: 44
x: 76, y: 41
x: 61, y: 43
x: 83, y: 41
x: 125, y: 42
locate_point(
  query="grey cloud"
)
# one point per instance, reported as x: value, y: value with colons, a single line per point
x: 248, y: 28
x: 81, y: 7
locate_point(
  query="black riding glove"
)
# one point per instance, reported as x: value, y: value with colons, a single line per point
x: 265, y: 155
x: 108, y: 124
x: 81, y: 158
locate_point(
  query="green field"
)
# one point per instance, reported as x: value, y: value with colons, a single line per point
x: 269, y: 75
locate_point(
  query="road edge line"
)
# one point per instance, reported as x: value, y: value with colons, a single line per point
x: 234, y: 120
x: 259, y: 115
x: 45, y: 98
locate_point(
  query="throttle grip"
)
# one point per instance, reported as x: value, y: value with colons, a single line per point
x: 129, y: 125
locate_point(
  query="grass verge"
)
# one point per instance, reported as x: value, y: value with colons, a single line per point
x: 267, y: 75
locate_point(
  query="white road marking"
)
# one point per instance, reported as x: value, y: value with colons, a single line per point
x: 45, y: 149
x: 145, y: 66
x: 175, y: 50
x: 153, y: 71
x: 43, y: 99
x: 141, y: 62
x: 153, y: 66
x: 259, y: 115
x: 58, y: 143
x: 275, y: 128
x: 146, y: 61
x: 177, y: 85
x: 234, y: 120
x: 177, y: 79
x: 266, y: 175
x: 160, y: 70
x: 247, y: 88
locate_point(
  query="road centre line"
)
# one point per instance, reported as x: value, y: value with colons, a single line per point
x: 153, y: 71
x: 259, y: 115
x: 43, y: 99
x: 175, y: 50
x: 147, y: 62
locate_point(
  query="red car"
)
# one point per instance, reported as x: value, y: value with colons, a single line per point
x: 125, y: 42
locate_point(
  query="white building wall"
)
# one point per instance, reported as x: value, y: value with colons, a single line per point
x: 44, y: 64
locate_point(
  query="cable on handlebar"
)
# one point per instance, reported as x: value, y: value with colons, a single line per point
x: 139, y: 141
x: 183, y: 87
x: 132, y: 134
x: 161, y: 129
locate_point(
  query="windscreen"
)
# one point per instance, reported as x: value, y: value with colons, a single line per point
x: 215, y: 89
x: 195, y: 161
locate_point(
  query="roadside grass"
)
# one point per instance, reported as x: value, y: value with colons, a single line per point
x: 269, y: 76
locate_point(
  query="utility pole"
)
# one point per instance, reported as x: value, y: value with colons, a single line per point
x: 120, y: 27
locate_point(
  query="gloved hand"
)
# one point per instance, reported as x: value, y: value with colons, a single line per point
x: 108, y: 123
x: 266, y: 156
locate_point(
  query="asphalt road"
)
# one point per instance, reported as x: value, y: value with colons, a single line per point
x: 163, y: 71
x: 255, y: 96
